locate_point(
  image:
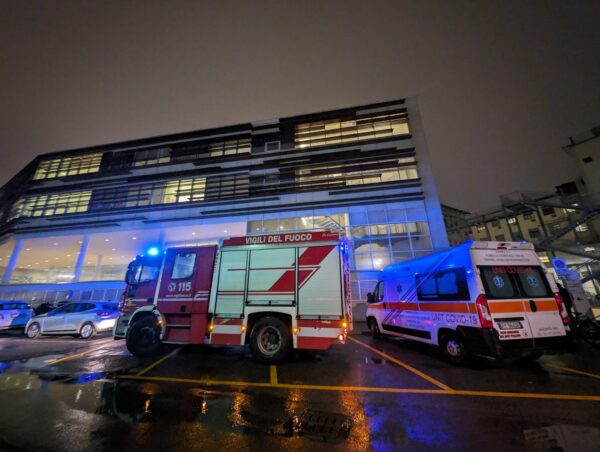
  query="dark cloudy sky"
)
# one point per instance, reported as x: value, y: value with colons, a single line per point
x: 501, y: 84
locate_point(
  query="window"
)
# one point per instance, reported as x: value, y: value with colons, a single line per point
x: 498, y: 283
x: 548, y: 211
x: 481, y: 228
x: 357, y: 174
x: 509, y: 282
x: 534, y: 233
x: 583, y: 227
x: 500, y: 238
x: 184, y: 190
x: 533, y: 282
x: 82, y: 307
x: 199, y: 150
x: 512, y: 220
x: 378, y: 292
x: 363, y: 127
x: 183, y: 267
x: 231, y: 147
x: 152, y: 157
x: 48, y: 205
x: 528, y: 216
x: 68, y: 166
x: 587, y: 159
x: 223, y: 187
x: 496, y: 223
x: 449, y: 284
x: 271, y: 146
x: 69, y: 308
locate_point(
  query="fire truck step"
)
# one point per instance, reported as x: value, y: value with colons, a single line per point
x: 178, y: 325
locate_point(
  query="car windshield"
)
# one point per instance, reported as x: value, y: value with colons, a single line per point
x: 519, y: 281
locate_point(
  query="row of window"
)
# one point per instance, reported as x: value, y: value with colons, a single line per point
x: 366, y: 127
x: 200, y: 189
x: 379, y: 125
x: 68, y: 166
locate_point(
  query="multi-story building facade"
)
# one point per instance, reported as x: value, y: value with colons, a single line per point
x: 73, y: 220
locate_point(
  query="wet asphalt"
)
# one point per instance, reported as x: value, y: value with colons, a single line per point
x: 64, y: 394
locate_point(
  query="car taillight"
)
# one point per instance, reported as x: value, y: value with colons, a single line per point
x: 562, y: 310
x: 103, y: 314
x: 483, y: 310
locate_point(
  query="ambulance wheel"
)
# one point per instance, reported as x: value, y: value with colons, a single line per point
x: 454, y: 349
x: 374, y: 328
x: 143, y: 337
x: 270, y: 340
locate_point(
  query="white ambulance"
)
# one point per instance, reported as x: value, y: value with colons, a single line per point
x: 491, y: 299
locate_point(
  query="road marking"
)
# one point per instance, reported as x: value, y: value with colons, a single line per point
x: 431, y: 380
x: 68, y: 357
x: 575, y: 371
x: 157, y: 362
x: 520, y: 395
x: 273, y: 375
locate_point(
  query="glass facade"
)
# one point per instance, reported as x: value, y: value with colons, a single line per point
x: 152, y: 157
x: 378, y: 236
x: 48, y: 205
x: 366, y: 127
x: 68, y: 166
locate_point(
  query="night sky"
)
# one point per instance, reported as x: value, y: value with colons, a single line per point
x: 501, y: 86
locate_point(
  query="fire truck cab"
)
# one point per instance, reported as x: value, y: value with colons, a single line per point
x: 274, y: 292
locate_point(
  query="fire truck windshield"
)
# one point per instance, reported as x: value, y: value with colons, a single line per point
x: 141, y: 272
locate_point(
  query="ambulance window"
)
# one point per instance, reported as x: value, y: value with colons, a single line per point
x: 445, y: 285
x: 497, y: 282
x: 427, y: 289
x: 183, y: 267
x: 378, y: 292
x: 533, y: 282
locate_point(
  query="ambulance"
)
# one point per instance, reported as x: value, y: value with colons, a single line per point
x: 486, y: 299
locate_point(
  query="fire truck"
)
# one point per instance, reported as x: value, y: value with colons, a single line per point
x: 275, y: 292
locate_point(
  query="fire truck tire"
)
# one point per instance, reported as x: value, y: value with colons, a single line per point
x: 143, y: 337
x: 270, y: 340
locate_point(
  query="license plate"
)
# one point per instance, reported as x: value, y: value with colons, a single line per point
x: 510, y: 325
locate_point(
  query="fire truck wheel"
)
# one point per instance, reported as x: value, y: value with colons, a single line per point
x: 143, y: 337
x: 454, y: 349
x: 270, y: 340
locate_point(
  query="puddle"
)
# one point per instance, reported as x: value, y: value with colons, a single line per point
x: 52, y: 393
x: 563, y: 437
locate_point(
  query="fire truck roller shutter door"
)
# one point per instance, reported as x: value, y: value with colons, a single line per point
x: 319, y: 281
x: 232, y: 283
x: 272, y: 277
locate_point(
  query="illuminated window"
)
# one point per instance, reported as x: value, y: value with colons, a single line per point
x: 68, y: 166
x: 184, y: 190
x: 231, y: 147
x: 583, y: 227
x: 357, y: 174
x: 368, y: 127
x: 48, y: 205
x: 152, y: 157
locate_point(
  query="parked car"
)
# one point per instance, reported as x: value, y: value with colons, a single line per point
x: 14, y: 314
x: 78, y: 319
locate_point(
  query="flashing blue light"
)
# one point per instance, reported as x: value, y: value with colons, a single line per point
x: 153, y: 251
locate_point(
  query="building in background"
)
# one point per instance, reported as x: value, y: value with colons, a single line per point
x: 73, y: 220
x: 563, y: 224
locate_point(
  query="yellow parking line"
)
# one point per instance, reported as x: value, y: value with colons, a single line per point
x: 157, y: 362
x: 431, y: 380
x: 522, y: 395
x: 273, y: 375
x: 575, y: 371
x: 68, y: 357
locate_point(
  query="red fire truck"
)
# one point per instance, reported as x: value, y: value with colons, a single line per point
x: 274, y: 292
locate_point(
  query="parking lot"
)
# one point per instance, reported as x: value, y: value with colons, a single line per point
x: 369, y: 394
